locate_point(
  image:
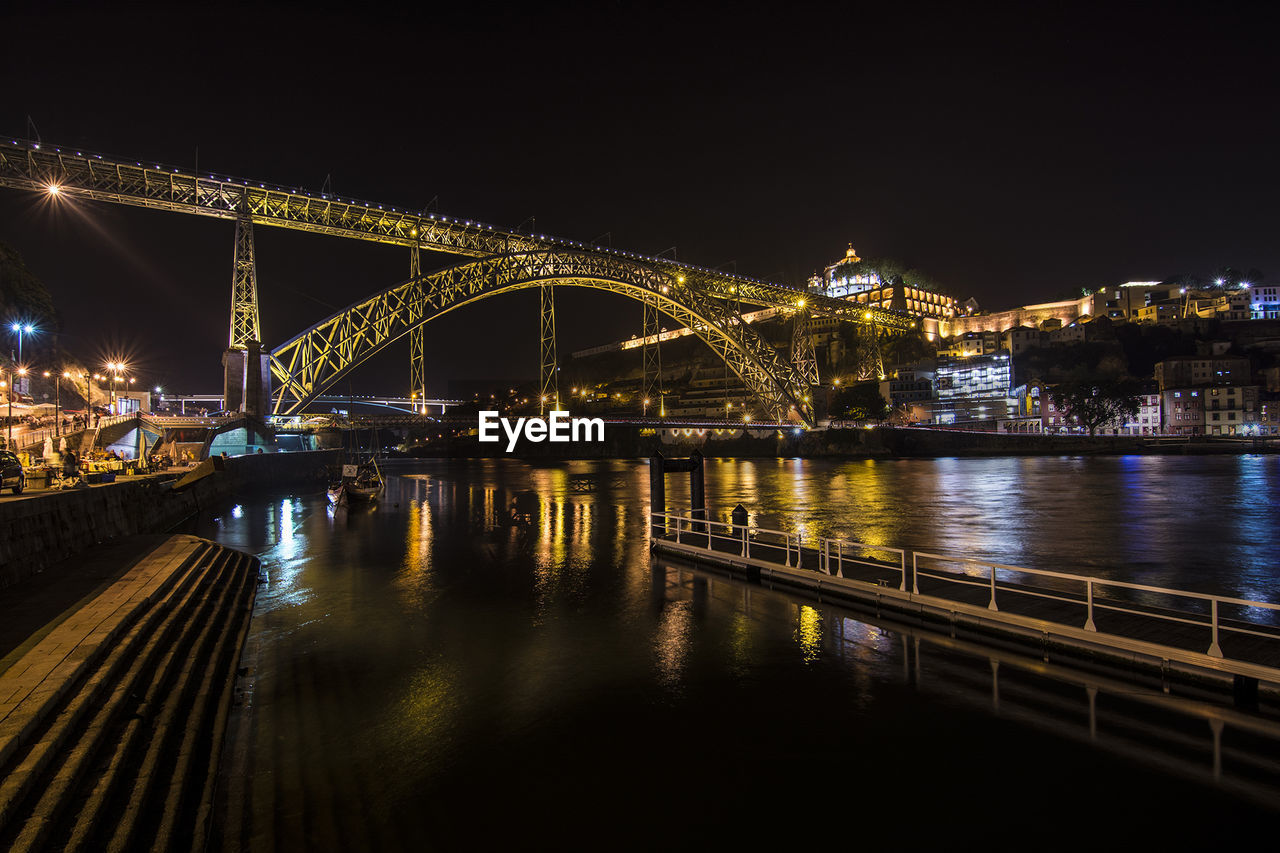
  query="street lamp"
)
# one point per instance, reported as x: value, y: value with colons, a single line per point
x: 116, y: 368
x: 57, y: 400
x: 9, y: 389
x: 21, y: 329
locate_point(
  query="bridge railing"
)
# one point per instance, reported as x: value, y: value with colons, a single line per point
x: 1121, y: 614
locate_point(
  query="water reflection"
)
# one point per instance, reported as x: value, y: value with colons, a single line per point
x: 436, y: 653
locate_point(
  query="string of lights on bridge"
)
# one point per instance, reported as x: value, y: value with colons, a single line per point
x: 55, y: 189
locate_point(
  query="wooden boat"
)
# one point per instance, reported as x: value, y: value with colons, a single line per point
x: 359, y: 484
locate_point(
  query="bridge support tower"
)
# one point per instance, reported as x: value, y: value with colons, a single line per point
x: 245, y: 369
x: 549, y: 390
x: 803, y: 355
x: 651, y: 387
x: 417, y: 362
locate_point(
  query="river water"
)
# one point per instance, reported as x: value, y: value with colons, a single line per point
x: 427, y: 675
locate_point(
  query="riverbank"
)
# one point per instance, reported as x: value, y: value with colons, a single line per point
x: 40, y: 529
x: 623, y: 442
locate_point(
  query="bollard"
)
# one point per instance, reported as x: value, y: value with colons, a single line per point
x: 697, y: 493
x: 739, y: 519
x: 657, y: 496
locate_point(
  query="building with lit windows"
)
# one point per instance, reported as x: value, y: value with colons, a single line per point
x: 1208, y: 395
x: 909, y: 387
x: 1264, y: 302
x: 1182, y: 411
x: 1268, y: 415
x: 866, y: 287
x: 1193, y: 370
x: 1230, y: 410
x: 974, y: 389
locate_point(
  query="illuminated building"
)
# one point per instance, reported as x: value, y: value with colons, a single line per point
x: 1264, y: 303
x: 847, y: 279
x: 976, y: 389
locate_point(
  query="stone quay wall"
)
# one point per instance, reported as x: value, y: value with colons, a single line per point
x: 43, y: 529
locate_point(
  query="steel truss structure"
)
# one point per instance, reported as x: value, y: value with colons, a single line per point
x: 803, y: 355
x: 704, y: 300
x: 651, y: 376
x: 319, y: 357
x: 79, y: 174
x: 244, y: 289
x: 549, y: 384
x: 417, y: 357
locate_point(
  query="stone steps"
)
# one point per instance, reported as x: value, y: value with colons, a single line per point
x: 114, y: 740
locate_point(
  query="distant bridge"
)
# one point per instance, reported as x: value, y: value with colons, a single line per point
x: 708, y: 302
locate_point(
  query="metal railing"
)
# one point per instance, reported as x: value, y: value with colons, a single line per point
x: 1019, y: 589
x: 1093, y: 594
x: 829, y: 555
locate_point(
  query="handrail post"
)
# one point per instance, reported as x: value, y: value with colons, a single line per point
x: 840, y: 558
x: 992, y: 605
x: 677, y: 530
x: 1088, y: 625
x: 746, y: 541
x: 915, y: 573
x: 902, y: 587
x: 787, y: 541
x: 1215, y: 651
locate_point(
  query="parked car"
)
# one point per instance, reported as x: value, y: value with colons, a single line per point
x: 11, y: 474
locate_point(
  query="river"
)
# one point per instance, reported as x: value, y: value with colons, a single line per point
x: 427, y: 675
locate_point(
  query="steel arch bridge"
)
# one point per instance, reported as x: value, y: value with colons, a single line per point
x: 708, y: 302
x: 320, y: 356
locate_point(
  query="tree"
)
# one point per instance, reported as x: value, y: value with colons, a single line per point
x: 860, y: 401
x: 887, y: 269
x: 1096, y: 404
x: 22, y: 295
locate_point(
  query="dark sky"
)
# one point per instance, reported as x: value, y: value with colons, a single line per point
x: 1014, y: 153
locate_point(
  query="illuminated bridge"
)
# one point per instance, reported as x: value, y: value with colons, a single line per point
x: 494, y: 262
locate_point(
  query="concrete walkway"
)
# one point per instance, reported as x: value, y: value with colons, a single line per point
x: 115, y: 685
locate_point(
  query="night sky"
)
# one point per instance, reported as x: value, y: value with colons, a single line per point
x: 1013, y: 153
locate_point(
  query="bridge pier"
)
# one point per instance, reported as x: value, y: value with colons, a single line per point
x: 246, y: 380
x: 659, y: 466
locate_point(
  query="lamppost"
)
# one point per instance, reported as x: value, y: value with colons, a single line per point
x: 112, y: 369
x: 9, y: 389
x: 57, y: 400
x: 21, y: 329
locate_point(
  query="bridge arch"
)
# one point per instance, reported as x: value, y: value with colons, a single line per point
x: 322, y: 355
